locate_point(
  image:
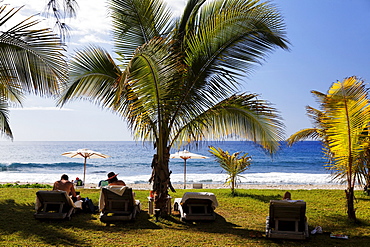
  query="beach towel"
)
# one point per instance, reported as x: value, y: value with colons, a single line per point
x: 117, y: 189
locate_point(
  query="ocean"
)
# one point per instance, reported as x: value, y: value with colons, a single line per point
x: 42, y: 162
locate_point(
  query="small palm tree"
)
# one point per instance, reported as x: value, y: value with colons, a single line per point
x: 232, y: 164
x: 342, y: 126
x: 31, y: 61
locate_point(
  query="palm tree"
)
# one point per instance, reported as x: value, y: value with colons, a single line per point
x: 342, y: 125
x: 178, y: 78
x: 31, y: 61
x: 232, y: 164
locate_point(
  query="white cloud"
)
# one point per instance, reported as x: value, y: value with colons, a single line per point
x: 91, y: 38
x: 41, y: 108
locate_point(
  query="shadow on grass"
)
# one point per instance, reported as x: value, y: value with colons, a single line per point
x: 220, y: 225
x: 262, y: 198
x: 18, y: 219
x: 363, y: 199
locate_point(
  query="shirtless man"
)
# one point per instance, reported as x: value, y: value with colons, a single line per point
x: 67, y: 186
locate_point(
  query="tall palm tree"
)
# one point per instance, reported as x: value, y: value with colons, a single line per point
x: 233, y: 164
x: 342, y: 125
x: 177, y: 81
x: 31, y: 61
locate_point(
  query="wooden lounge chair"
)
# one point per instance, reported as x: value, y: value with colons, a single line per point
x: 117, y: 203
x: 287, y: 220
x: 53, y: 204
x: 194, y: 206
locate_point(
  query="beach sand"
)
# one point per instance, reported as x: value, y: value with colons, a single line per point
x: 249, y: 186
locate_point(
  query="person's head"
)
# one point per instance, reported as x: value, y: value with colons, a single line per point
x: 287, y: 196
x: 112, y: 177
x: 64, y: 177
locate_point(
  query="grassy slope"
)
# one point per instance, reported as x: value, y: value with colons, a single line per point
x: 237, y: 218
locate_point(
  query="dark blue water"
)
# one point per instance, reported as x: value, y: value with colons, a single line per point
x: 43, y: 162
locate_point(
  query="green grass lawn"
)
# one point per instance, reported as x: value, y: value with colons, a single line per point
x: 236, y: 218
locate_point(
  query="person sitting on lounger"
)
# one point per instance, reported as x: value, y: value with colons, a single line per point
x: 67, y: 186
x: 113, y: 180
x: 287, y: 196
x: 78, y: 182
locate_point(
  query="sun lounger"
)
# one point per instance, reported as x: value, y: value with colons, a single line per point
x: 53, y: 204
x: 117, y: 203
x: 194, y: 206
x: 287, y: 220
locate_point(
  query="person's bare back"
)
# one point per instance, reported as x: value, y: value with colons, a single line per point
x: 67, y: 186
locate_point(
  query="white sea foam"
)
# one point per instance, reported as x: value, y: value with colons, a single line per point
x: 251, y: 178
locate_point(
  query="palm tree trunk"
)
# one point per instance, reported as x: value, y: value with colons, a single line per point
x: 161, y: 181
x: 232, y: 186
x: 350, y: 204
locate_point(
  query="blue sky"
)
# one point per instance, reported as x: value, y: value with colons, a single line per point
x: 330, y: 40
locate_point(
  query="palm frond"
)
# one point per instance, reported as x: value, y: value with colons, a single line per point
x: 5, y: 129
x: 242, y: 31
x: 33, y: 58
x: 61, y: 10
x: 304, y: 134
x: 136, y: 22
x: 94, y: 76
x: 347, y: 115
x: 242, y: 115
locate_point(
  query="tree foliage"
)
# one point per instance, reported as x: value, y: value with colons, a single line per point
x: 176, y: 81
x: 233, y: 164
x: 342, y: 125
x: 31, y: 61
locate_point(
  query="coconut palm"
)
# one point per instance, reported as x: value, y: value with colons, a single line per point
x: 342, y: 125
x: 31, y: 61
x: 177, y: 81
x: 232, y: 164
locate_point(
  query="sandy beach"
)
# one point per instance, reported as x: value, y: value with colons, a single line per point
x: 248, y: 186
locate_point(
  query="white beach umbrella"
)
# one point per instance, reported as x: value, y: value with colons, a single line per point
x: 85, y: 154
x: 185, y: 155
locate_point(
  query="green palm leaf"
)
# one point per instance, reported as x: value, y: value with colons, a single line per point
x: 136, y: 22
x: 31, y: 61
x: 33, y: 58
x: 4, y: 121
x: 243, y: 115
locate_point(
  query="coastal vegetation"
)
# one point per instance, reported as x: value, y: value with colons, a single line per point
x: 177, y: 78
x: 342, y: 124
x: 239, y: 219
x: 16, y: 185
x: 233, y: 164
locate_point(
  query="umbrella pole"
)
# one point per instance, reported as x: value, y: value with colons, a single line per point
x: 184, y: 173
x: 84, y: 171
